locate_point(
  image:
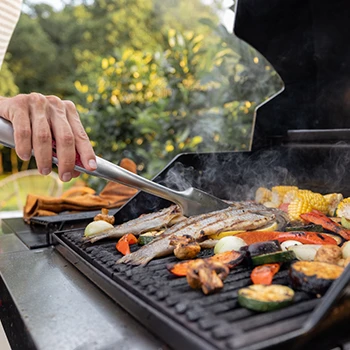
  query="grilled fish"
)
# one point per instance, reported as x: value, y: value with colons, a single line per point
x: 144, y: 223
x: 198, y: 227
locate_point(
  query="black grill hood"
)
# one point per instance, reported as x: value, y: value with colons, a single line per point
x: 307, y: 42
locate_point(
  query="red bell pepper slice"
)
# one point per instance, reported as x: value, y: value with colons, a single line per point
x: 123, y: 245
x: 263, y: 274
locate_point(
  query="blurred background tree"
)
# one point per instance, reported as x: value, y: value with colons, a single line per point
x: 151, y: 79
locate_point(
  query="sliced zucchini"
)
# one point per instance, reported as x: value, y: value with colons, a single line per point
x: 313, y: 276
x: 276, y: 257
x: 148, y: 237
x: 260, y: 297
x: 310, y: 228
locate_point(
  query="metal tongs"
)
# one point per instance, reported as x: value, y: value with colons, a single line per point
x: 192, y: 201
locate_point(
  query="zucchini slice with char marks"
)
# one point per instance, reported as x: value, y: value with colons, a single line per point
x: 313, y: 276
x: 260, y: 297
x: 276, y: 257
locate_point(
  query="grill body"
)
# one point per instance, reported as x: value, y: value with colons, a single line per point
x: 186, y: 319
x: 301, y: 137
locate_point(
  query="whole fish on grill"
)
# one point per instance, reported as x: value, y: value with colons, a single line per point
x: 199, y: 227
x: 148, y: 222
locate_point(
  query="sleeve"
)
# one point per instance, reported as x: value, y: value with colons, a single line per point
x: 9, y: 13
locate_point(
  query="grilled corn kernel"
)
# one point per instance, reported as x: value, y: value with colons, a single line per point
x: 343, y: 209
x: 333, y: 200
x: 262, y: 195
x: 298, y: 206
x: 278, y: 192
x: 316, y: 200
x: 290, y: 196
x: 305, y: 202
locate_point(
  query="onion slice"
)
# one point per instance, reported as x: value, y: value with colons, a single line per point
x: 96, y: 227
x: 305, y: 252
x: 286, y: 244
x: 346, y: 250
x: 229, y: 243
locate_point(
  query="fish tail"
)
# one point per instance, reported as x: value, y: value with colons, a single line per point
x: 136, y: 258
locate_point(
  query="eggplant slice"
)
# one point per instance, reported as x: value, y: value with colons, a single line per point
x: 313, y: 276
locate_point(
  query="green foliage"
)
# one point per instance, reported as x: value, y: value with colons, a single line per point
x: 8, y: 86
x: 151, y: 79
x: 152, y: 106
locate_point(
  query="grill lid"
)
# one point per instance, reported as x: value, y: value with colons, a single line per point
x: 307, y: 43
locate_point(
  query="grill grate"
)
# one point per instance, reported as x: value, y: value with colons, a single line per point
x: 217, y: 318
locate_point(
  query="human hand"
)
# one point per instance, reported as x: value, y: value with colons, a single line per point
x: 37, y: 120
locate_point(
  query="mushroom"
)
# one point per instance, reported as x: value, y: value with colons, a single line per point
x: 185, y: 247
x: 207, y: 275
x: 104, y: 216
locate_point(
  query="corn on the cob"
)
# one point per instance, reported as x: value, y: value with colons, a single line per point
x: 290, y: 196
x: 262, y: 195
x: 343, y: 209
x: 305, y: 202
x: 278, y: 192
x: 333, y: 199
x: 298, y: 206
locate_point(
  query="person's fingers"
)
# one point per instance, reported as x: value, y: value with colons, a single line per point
x: 18, y: 114
x: 64, y: 137
x: 37, y: 121
x: 41, y: 133
x: 82, y: 143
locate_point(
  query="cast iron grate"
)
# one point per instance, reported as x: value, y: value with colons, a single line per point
x: 217, y: 318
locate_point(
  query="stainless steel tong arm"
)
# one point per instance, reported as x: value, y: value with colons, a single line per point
x: 112, y: 172
x: 106, y: 170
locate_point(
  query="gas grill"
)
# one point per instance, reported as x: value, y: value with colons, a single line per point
x: 301, y: 137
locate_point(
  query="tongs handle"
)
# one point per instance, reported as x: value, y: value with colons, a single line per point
x: 105, y: 169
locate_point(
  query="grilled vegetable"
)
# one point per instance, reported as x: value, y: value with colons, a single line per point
x: 344, y: 262
x: 337, y: 238
x: 329, y: 254
x: 313, y: 276
x: 207, y: 275
x: 278, y: 193
x: 262, y: 298
x: 343, y: 209
x: 104, y: 216
x: 305, y: 202
x: 346, y: 250
x: 97, y: 227
x: 263, y: 274
x: 305, y: 252
x: 345, y: 222
x: 286, y: 244
x: 229, y: 243
x: 123, y: 245
x: 333, y: 200
x: 328, y: 224
x: 310, y: 228
x: 230, y: 259
x: 148, y: 237
x: 277, y: 257
x: 260, y: 248
x: 303, y: 237
x: 185, y: 247
x: 263, y: 195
